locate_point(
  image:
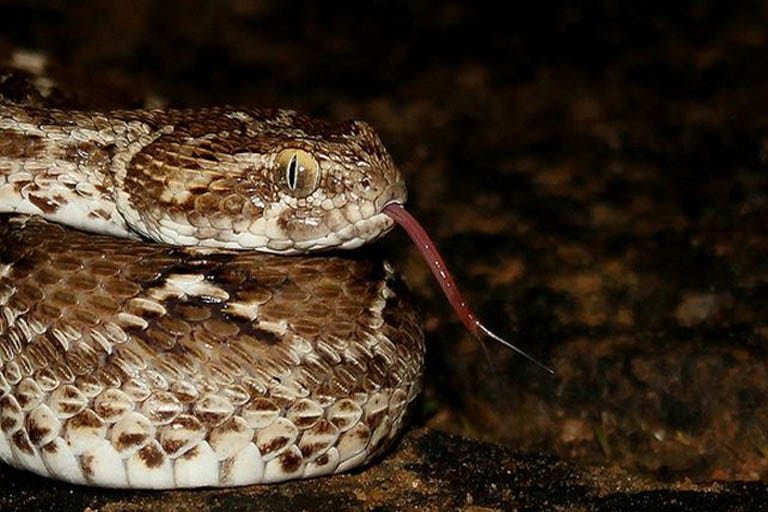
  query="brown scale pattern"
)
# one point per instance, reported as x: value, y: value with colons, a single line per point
x: 197, y: 176
x: 135, y: 365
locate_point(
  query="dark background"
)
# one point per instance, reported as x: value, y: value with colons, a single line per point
x: 594, y: 174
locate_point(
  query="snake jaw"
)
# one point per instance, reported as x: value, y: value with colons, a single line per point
x: 395, y: 193
x: 434, y: 260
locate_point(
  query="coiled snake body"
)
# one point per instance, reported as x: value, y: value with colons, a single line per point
x: 156, y: 353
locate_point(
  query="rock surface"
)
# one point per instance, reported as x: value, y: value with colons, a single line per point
x: 429, y: 471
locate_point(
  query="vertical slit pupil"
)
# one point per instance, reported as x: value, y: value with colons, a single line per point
x: 292, y: 172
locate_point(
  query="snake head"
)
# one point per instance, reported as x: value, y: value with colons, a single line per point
x: 328, y: 187
x: 269, y: 180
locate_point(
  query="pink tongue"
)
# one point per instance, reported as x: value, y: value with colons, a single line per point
x: 427, y: 249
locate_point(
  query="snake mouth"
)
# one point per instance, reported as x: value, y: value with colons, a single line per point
x: 397, y: 212
x: 395, y: 193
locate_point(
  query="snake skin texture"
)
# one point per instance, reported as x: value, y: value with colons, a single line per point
x: 143, y: 341
x: 205, y: 177
x: 126, y: 364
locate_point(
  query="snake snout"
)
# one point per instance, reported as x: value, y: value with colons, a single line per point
x: 394, y: 193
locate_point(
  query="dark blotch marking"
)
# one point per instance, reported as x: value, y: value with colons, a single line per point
x: 99, y: 214
x: 128, y: 440
x: 162, y: 416
x: 152, y: 456
x: 19, y: 145
x: 87, y: 419
x: 21, y: 440
x: 324, y: 427
x: 303, y: 422
x: 71, y: 408
x: 87, y: 463
x: 50, y: 448
x: 45, y: 205
x: 173, y: 446
x: 184, y: 263
x: 289, y: 461
x: 8, y: 424
x: 211, y: 418
x: 229, y: 426
x: 187, y: 423
x: 10, y: 414
x: 36, y: 431
x: 309, y: 449
x: 107, y: 411
x: 18, y: 186
x: 262, y: 405
x: 184, y: 397
x: 363, y: 434
x: 24, y: 399
x: 273, y: 445
x: 267, y: 337
x: 302, y: 417
x: 90, y: 154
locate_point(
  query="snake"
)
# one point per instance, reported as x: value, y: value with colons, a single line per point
x: 174, y: 308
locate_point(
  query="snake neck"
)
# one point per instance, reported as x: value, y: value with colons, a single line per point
x: 67, y: 166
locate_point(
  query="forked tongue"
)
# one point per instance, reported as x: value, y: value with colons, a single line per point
x: 428, y: 250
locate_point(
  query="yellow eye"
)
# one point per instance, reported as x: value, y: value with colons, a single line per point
x: 297, y: 172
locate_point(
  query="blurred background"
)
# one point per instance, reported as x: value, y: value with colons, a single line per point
x: 595, y: 176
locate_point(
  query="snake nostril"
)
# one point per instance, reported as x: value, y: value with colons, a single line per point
x: 394, y: 193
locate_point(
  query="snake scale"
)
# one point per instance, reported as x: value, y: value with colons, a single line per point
x: 147, y: 339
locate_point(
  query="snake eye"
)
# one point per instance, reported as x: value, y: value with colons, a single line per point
x: 297, y: 172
